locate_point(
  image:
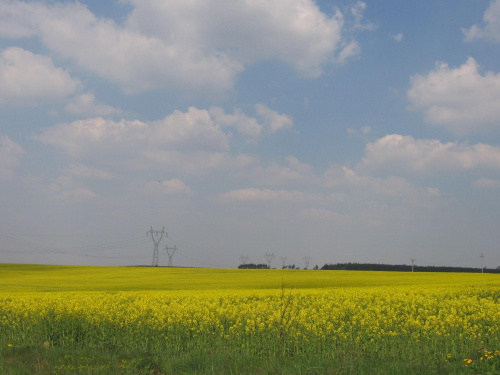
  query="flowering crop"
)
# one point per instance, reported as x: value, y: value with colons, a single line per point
x: 447, y: 319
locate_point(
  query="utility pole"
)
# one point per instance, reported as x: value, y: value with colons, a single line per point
x: 412, y: 264
x: 283, y: 259
x: 244, y: 259
x: 170, y: 252
x: 156, y: 242
x: 306, y: 261
x: 269, y: 258
x: 482, y: 257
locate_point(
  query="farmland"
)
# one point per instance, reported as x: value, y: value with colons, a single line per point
x: 117, y: 320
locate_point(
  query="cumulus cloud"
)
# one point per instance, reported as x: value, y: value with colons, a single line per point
x: 345, y: 178
x: 193, y: 141
x: 64, y: 189
x: 21, y: 19
x: 272, y: 120
x: 79, y: 170
x: 460, y: 99
x: 293, y: 172
x: 490, y: 30
x: 267, y: 120
x: 245, y: 125
x: 267, y: 196
x: 174, y: 186
x: 85, y: 104
x: 30, y: 79
x: 487, y: 183
x: 195, y: 45
x: 402, y: 154
x: 398, y: 37
x: 10, y: 156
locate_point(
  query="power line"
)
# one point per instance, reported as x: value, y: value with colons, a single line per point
x: 306, y: 262
x: 195, y: 257
x: 269, y: 258
x: 170, y: 252
x: 156, y: 242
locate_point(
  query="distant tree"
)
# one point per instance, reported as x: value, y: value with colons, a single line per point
x: 401, y: 267
x: 253, y: 266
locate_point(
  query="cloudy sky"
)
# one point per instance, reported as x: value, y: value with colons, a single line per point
x: 345, y: 131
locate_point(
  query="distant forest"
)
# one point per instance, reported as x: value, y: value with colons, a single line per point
x: 384, y: 267
x: 402, y: 267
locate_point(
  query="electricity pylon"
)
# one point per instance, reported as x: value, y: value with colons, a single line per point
x: 283, y: 259
x: 156, y: 242
x: 269, y: 258
x: 244, y: 259
x: 306, y: 261
x: 482, y: 257
x: 170, y: 252
x: 412, y: 264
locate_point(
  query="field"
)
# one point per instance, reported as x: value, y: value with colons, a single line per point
x: 131, y: 320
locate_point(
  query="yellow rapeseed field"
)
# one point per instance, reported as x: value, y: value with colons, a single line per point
x: 264, y: 312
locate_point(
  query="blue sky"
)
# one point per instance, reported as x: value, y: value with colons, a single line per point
x: 342, y: 131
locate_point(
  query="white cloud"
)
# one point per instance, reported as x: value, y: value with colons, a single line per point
x: 191, y: 130
x: 293, y: 31
x: 194, y: 141
x: 294, y: 172
x: 20, y: 19
x: 272, y: 120
x: 460, y: 99
x: 357, y: 11
x: 29, y: 79
x: 349, y: 50
x: 196, y: 45
x: 402, y: 154
x: 245, y: 125
x: 96, y: 135
x: 361, y: 132
x: 85, y: 104
x: 341, y: 177
x: 268, y: 120
x: 487, y: 183
x: 398, y: 37
x: 170, y: 187
x: 491, y: 28
x: 64, y: 189
x: 267, y: 196
x: 10, y: 154
x: 79, y: 170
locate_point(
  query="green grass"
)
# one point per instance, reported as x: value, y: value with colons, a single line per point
x: 74, y: 360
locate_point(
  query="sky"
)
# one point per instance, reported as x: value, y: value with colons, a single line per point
x: 342, y: 131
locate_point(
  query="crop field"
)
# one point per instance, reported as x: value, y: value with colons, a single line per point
x: 131, y: 320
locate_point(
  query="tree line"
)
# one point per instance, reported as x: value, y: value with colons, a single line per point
x: 403, y: 268
x: 381, y: 267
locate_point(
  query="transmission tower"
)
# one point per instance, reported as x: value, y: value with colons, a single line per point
x: 156, y: 241
x: 283, y: 259
x: 306, y: 261
x: 170, y: 252
x: 269, y: 258
x: 482, y: 257
x: 244, y: 259
x: 413, y: 264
